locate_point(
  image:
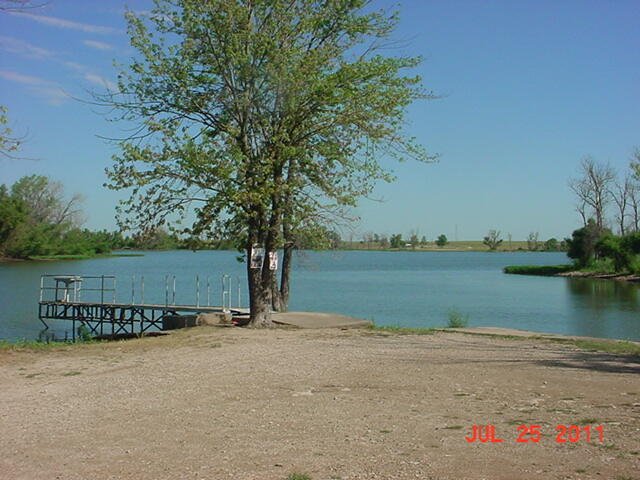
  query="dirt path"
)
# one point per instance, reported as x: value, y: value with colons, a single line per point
x: 353, y: 404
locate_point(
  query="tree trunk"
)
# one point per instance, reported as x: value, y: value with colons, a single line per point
x: 276, y: 296
x: 287, y: 260
x: 259, y: 296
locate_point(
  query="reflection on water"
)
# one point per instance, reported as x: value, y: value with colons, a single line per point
x: 601, y: 294
x: 593, y: 300
x: 46, y: 336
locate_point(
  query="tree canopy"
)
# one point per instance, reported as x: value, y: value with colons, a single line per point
x: 255, y: 112
x: 37, y: 218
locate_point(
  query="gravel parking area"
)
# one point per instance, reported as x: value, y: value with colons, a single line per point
x: 219, y: 403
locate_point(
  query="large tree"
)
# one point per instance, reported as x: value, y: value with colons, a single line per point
x: 623, y: 195
x: 593, y: 189
x: 257, y: 112
x: 35, y: 216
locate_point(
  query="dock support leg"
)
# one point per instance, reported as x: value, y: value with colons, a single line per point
x: 46, y: 327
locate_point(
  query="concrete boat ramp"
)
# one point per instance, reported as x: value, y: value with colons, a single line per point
x: 318, y: 320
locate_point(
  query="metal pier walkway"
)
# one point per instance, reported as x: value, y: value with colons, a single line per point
x: 61, y: 298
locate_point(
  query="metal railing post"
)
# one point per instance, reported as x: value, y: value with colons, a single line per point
x: 142, y: 289
x: 166, y: 290
x: 208, y: 293
x: 133, y: 289
x: 174, y: 290
x: 197, y: 290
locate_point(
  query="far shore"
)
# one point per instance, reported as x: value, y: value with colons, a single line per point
x: 454, y: 247
x: 49, y: 258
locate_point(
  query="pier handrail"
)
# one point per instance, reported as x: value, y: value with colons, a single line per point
x: 79, y: 279
x: 74, y: 285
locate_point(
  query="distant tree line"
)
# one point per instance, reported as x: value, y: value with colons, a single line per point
x: 493, y: 240
x: 381, y: 241
x: 38, y: 219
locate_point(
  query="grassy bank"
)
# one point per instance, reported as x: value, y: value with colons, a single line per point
x: 39, y: 346
x: 401, y: 330
x: 610, y: 346
x: 84, y: 257
x: 617, y: 347
x: 544, y: 270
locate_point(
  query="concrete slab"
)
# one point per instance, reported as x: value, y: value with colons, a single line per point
x: 318, y: 320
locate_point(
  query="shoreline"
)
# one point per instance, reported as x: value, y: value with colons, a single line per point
x: 603, y: 276
x: 566, y: 271
x: 52, y: 258
x: 335, y: 322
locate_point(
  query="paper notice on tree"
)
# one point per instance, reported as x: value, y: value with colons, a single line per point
x: 257, y: 257
x: 273, y: 260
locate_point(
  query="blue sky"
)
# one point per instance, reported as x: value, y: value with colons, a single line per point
x: 528, y: 89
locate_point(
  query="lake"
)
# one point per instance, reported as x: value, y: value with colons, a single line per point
x: 412, y: 289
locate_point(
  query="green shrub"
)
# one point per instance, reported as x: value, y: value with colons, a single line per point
x: 613, y: 247
x: 602, y: 265
x: 84, y: 333
x: 457, y: 319
x: 298, y: 476
x: 582, y: 244
x: 634, y: 265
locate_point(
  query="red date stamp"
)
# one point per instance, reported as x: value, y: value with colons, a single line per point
x: 533, y: 434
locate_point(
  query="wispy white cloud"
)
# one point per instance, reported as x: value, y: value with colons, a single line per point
x: 62, y: 23
x: 78, y: 67
x: 53, y: 95
x: 98, y: 45
x: 20, y: 78
x: 50, y: 91
x: 15, y: 45
x: 101, y: 81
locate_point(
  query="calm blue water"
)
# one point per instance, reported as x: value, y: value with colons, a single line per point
x: 416, y: 289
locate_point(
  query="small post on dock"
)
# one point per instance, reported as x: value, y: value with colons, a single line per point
x: 226, y: 293
x: 142, y: 289
x: 197, y: 290
x: 174, y: 290
x: 208, y: 293
x: 166, y: 290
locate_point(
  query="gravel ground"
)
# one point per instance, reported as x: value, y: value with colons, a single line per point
x: 334, y: 404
